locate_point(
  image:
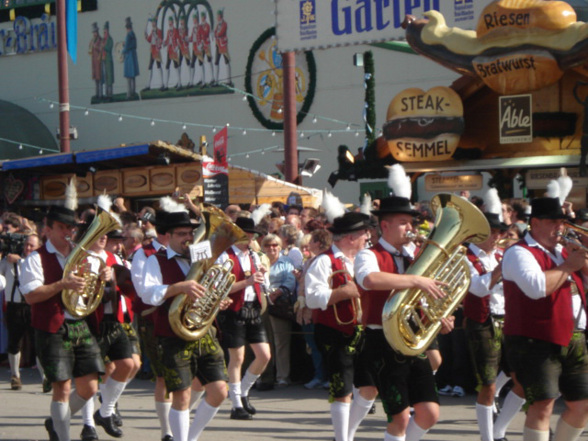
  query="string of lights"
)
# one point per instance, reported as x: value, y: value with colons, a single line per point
x: 22, y: 145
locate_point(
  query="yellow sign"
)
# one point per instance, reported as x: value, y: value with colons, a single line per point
x: 435, y: 182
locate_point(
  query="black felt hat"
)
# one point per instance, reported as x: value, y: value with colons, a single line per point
x: 395, y: 205
x: 62, y: 214
x: 350, y: 222
x: 547, y: 208
x: 177, y: 220
x: 247, y: 225
x: 495, y: 222
x: 115, y: 234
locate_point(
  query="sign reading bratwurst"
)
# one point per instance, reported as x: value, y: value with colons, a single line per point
x: 424, y: 126
x: 518, y: 45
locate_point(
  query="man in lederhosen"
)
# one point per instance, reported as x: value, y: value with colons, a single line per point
x: 66, y: 347
x: 182, y: 361
x: 330, y: 291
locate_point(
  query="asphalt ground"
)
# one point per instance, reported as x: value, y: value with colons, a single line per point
x: 292, y: 413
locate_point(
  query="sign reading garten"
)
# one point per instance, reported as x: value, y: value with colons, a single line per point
x: 424, y: 126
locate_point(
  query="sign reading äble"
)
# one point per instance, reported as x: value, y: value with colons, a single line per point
x: 316, y: 24
x: 515, y: 118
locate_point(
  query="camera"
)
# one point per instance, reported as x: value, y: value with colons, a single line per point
x: 12, y: 243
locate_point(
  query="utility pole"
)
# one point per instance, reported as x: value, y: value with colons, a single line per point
x: 63, y: 77
x: 290, y: 138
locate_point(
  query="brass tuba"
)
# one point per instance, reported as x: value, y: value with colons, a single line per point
x: 412, y: 318
x: 190, y: 320
x: 82, y: 263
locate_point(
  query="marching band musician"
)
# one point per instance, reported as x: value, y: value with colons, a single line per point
x: 65, y: 346
x: 145, y: 325
x: 241, y: 323
x: 483, y: 309
x: 401, y: 381
x: 164, y: 278
x: 330, y: 291
x: 106, y: 325
x: 545, y: 322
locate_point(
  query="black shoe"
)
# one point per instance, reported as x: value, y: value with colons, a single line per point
x: 264, y: 386
x: 108, y: 424
x: 501, y: 439
x: 89, y: 433
x: 52, y: 433
x: 238, y: 413
x: 247, y: 406
x: 116, y: 416
x: 167, y: 438
x: 372, y: 409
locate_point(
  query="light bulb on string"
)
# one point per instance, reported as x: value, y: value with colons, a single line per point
x: 244, y: 97
x: 152, y: 122
x: 356, y: 133
x: 40, y: 151
x: 274, y: 133
x: 184, y: 126
x: 120, y: 118
x: 348, y: 127
x: 87, y: 112
x: 279, y: 110
x: 263, y: 151
x: 314, y: 120
x: 244, y: 132
x: 247, y: 156
x: 214, y: 130
x: 20, y: 146
x: 51, y: 106
x: 302, y: 134
x: 330, y: 134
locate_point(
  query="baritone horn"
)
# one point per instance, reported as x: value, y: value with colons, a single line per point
x: 412, y: 318
x: 85, y: 264
x: 573, y: 234
x: 191, y: 319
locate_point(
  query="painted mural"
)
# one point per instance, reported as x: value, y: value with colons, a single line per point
x: 187, y: 46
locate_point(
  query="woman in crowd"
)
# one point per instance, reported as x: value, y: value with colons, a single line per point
x: 282, y: 288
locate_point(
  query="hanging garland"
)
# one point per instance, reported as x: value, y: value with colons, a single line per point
x: 265, y: 90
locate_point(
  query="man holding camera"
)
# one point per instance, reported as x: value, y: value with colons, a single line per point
x: 18, y: 312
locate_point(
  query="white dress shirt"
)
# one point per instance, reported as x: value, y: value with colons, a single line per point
x: 33, y: 277
x: 138, y: 264
x: 8, y: 273
x: 480, y: 284
x: 245, y: 262
x: 318, y: 292
x: 153, y: 288
x: 521, y: 267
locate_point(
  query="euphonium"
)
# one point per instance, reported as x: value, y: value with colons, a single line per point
x: 411, y: 317
x: 189, y: 319
x: 80, y: 262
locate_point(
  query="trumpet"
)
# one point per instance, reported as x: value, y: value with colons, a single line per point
x: 355, y: 303
x: 572, y: 235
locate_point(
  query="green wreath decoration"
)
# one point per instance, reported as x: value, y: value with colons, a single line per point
x: 251, y: 94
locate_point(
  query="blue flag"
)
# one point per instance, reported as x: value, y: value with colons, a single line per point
x: 71, y: 20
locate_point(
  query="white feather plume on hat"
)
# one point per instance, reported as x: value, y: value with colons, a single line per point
x: 71, y: 195
x: 166, y: 203
x: 333, y: 207
x: 260, y: 212
x: 559, y: 189
x: 366, y: 204
x: 104, y: 202
x: 399, y: 182
x: 493, y: 203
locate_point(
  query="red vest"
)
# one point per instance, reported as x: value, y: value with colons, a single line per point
x: 138, y: 304
x: 372, y: 302
x: 238, y: 297
x: 48, y: 315
x: 549, y: 318
x: 474, y: 307
x: 171, y: 273
x: 97, y: 316
x: 344, y: 308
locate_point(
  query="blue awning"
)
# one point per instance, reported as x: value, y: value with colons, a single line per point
x: 109, y: 154
x: 38, y: 161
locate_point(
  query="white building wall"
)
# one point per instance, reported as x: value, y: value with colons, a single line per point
x: 339, y: 92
